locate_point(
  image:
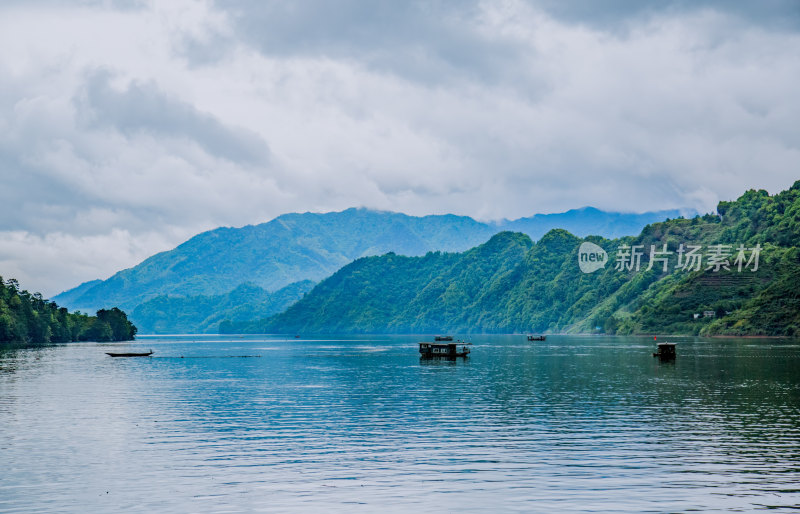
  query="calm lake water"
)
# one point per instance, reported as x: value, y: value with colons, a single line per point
x: 361, y: 424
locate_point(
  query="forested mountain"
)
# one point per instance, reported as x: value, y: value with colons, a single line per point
x: 511, y: 284
x: 297, y: 247
x: 288, y: 249
x: 27, y: 318
x: 394, y: 293
x: 202, y: 314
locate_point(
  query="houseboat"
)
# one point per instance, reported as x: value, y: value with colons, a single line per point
x: 666, y: 351
x: 536, y: 338
x: 443, y: 338
x: 446, y: 350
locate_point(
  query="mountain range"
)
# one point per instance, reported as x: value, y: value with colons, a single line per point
x: 191, y: 286
x: 742, y: 280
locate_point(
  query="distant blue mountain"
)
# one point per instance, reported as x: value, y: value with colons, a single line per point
x: 588, y: 221
x: 72, y: 296
x: 310, y: 247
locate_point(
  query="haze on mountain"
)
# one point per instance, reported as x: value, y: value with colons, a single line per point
x: 295, y: 250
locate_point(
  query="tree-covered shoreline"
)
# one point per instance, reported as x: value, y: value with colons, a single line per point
x: 28, y: 318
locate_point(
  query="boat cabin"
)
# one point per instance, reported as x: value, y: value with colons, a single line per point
x: 447, y: 350
x: 666, y: 351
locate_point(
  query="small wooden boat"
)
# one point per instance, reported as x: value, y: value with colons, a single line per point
x: 445, y: 350
x: 130, y: 354
x: 536, y: 338
x: 666, y: 351
x: 443, y: 338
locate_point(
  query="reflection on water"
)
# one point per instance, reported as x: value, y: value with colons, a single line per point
x: 571, y: 423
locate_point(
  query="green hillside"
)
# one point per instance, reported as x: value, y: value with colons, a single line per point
x: 510, y: 284
x: 202, y: 314
x: 393, y: 293
x: 27, y: 318
x: 297, y: 247
x: 288, y: 249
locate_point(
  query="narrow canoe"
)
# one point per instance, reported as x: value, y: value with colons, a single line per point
x: 142, y: 354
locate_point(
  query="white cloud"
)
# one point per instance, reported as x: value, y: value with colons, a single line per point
x: 136, y: 126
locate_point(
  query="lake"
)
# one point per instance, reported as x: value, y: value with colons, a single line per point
x: 360, y: 423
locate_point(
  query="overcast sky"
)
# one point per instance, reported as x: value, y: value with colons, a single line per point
x: 128, y: 126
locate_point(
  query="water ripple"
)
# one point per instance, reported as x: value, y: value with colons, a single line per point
x: 573, y: 424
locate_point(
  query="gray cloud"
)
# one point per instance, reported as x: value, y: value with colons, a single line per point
x: 134, y: 126
x: 94, y: 4
x: 443, y: 41
x: 621, y: 14
x: 425, y: 41
x: 144, y: 108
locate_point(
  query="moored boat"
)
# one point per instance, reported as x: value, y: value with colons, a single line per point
x: 443, y: 338
x: 130, y: 354
x: 536, y: 338
x: 665, y: 351
x: 446, y: 350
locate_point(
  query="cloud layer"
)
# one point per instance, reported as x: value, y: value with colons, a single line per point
x: 126, y: 127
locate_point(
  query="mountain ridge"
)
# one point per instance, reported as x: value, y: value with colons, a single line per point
x: 304, y: 246
x: 543, y: 289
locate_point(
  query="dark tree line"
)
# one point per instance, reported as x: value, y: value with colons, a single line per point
x: 28, y: 318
